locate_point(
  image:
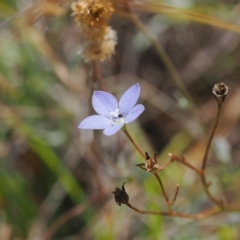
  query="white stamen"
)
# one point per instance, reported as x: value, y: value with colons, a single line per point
x: 117, y: 117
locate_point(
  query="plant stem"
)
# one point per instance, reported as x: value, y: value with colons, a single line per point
x: 124, y: 129
x: 163, y: 191
x: 176, y: 194
x: 184, y: 162
x: 203, y: 178
x: 211, y: 136
x: 98, y: 75
x: 207, y: 213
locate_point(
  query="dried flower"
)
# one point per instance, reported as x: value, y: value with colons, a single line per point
x: 103, y: 49
x: 151, y: 165
x: 121, y: 197
x: 92, y: 12
x: 92, y: 18
x: 112, y: 116
x: 220, y: 92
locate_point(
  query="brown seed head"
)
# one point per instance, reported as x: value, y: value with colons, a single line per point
x: 151, y: 165
x: 220, y: 91
x: 103, y: 49
x: 121, y: 197
x: 99, y: 39
x: 92, y: 12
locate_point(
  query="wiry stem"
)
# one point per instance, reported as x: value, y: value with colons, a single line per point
x: 176, y: 194
x: 203, y: 178
x: 211, y: 136
x: 163, y: 191
x: 204, y: 214
x: 184, y: 162
x: 124, y: 129
x: 169, y: 203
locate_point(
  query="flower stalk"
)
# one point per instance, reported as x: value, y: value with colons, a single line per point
x: 124, y: 129
x: 220, y: 91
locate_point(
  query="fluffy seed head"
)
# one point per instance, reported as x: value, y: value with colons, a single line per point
x: 92, y: 12
x: 103, y: 49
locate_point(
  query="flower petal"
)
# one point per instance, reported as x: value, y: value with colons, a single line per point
x: 112, y: 130
x: 129, y: 99
x: 134, y: 113
x: 95, y: 122
x: 104, y: 103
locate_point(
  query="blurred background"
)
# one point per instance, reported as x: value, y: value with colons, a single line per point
x: 56, y: 181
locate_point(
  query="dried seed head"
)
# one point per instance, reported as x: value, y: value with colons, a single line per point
x: 92, y: 12
x: 121, y: 197
x: 151, y: 165
x: 220, y: 91
x: 92, y: 17
x: 103, y: 49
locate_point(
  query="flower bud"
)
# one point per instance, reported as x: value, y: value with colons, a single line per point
x: 121, y: 197
x: 220, y: 91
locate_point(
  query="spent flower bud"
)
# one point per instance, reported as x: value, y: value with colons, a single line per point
x: 220, y: 91
x: 151, y: 165
x: 121, y: 197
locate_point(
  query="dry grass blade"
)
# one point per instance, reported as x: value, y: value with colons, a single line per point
x: 184, y: 14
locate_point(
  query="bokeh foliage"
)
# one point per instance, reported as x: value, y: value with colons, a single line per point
x: 57, y: 180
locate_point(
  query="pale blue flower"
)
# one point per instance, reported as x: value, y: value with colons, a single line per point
x: 113, y: 115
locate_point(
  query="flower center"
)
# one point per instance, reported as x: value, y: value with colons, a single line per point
x: 117, y: 117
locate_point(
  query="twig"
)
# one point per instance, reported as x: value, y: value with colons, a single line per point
x: 163, y: 191
x: 176, y: 194
x: 184, y: 162
x: 204, y: 214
